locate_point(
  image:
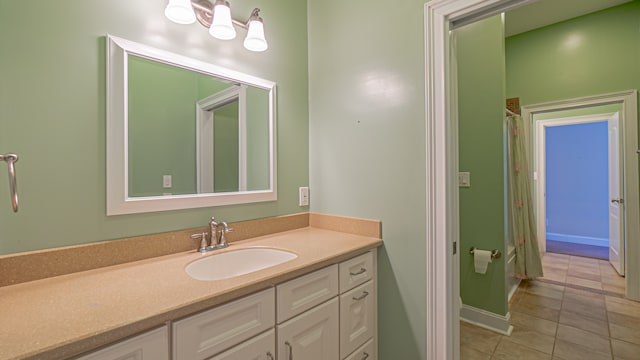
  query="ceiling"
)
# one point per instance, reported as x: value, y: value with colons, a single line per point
x: 546, y: 12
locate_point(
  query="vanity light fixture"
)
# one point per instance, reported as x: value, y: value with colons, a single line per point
x: 217, y: 18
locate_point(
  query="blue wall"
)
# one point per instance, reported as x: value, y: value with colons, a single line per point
x: 577, y: 181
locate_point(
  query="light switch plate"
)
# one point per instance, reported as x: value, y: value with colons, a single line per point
x: 166, y: 181
x: 303, y: 193
x: 464, y: 179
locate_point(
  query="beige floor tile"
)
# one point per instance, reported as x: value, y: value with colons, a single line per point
x: 631, y: 335
x: 556, y: 257
x: 508, y: 350
x: 584, y: 282
x: 533, y: 340
x: 555, y: 275
x: 613, y: 280
x: 588, y: 298
x: 537, y: 311
x: 584, y: 338
x: 521, y: 321
x: 584, y: 275
x: 624, y: 350
x: 625, y: 320
x: 478, y: 338
x: 613, y: 288
x: 554, y: 266
x: 578, y: 321
x: 584, y: 261
x: 588, y: 310
x: 623, y: 306
x: 544, y: 289
x: 533, y: 299
x: 565, y: 350
x: 467, y: 353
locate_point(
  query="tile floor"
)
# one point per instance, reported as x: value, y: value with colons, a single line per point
x: 576, y: 311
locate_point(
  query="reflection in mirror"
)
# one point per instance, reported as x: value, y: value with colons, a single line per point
x: 183, y: 133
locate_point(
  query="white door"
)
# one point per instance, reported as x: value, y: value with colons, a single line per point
x: 616, y: 202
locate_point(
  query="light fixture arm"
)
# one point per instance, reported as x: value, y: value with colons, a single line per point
x: 204, y: 14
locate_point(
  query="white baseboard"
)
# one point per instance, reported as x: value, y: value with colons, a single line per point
x: 513, y: 288
x: 486, y: 319
x: 585, y: 240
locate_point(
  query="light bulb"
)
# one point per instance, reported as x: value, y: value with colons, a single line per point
x: 180, y: 12
x: 221, y: 25
x: 255, y: 40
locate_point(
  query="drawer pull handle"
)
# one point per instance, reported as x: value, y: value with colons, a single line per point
x: 361, y: 271
x: 365, y: 356
x: 270, y: 357
x: 290, y: 350
x: 358, y: 298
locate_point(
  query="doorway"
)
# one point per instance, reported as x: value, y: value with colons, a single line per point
x: 442, y: 221
x: 577, y: 171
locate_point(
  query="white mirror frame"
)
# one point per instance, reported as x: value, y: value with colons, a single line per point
x: 118, y: 200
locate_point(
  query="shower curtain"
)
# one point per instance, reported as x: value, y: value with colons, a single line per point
x: 522, y: 225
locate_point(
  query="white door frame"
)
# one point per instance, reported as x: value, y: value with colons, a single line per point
x: 441, y: 124
x: 441, y: 144
x: 539, y: 168
x: 628, y: 161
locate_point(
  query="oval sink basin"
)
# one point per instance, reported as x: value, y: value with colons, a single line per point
x: 239, y: 262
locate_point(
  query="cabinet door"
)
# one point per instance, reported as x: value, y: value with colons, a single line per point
x: 261, y: 347
x: 356, y: 318
x: 206, y: 334
x: 152, y: 345
x: 312, y: 335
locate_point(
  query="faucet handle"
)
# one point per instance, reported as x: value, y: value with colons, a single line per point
x: 225, y: 229
x: 203, y: 241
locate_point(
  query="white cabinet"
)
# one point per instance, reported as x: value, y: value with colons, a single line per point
x: 329, y: 314
x: 312, y: 335
x: 211, y: 332
x: 303, y: 293
x: 152, y: 345
x: 356, y: 318
x: 261, y: 347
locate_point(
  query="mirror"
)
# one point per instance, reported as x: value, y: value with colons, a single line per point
x: 182, y: 133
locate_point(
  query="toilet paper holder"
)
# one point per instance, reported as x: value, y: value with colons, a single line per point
x: 495, y: 254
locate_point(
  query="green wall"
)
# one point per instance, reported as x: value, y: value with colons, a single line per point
x: 225, y: 148
x: 589, y: 55
x: 52, y: 112
x: 481, y: 94
x: 367, y: 146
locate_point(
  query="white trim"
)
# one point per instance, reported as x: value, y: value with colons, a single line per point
x: 205, y: 120
x: 577, y: 239
x: 629, y: 161
x: 540, y: 165
x: 486, y: 319
x: 118, y: 200
x: 442, y: 218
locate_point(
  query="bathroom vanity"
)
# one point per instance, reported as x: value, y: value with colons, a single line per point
x: 320, y: 305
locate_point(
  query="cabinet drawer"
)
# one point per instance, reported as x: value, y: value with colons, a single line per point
x: 365, y: 352
x: 312, y: 335
x: 261, y: 347
x: 356, y: 318
x: 356, y: 271
x: 305, y: 292
x: 206, y: 334
x: 152, y: 345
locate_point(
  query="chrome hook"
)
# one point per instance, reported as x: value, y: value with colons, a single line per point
x: 11, y: 160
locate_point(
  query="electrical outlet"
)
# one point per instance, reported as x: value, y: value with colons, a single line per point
x: 166, y: 181
x: 303, y: 193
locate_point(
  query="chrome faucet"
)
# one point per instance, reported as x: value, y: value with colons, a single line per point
x: 217, y: 239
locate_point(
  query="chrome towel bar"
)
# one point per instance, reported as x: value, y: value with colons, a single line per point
x: 495, y: 254
x: 11, y: 160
